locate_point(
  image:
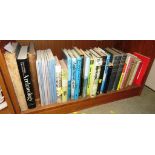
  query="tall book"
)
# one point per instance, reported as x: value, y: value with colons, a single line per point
x: 58, y: 80
x: 126, y: 71
x: 78, y: 74
x: 116, y: 57
x: 68, y: 62
x: 24, y: 70
x: 90, y: 77
x: 133, y: 71
x: 33, y: 71
x: 96, y: 73
x: 12, y: 66
x: 73, y: 73
x: 86, y: 69
x: 64, y: 75
x: 145, y: 61
x: 104, y: 57
x: 120, y: 69
x: 81, y: 54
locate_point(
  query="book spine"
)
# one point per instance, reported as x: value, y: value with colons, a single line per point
x: 120, y: 69
x: 101, y: 75
x: 16, y: 79
x: 78, y: 78
x: 86, y: 74
x: 127, y: 72
x: 58, y: 83
x: 116, y: 63
x: 64, y: 85
x: 104, y: 81
x: 81, y: 75
x: 90, y: 77
x: 24, y: 71
x: 34, y: 78
x: 73, y: 75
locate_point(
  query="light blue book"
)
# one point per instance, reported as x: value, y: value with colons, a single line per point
x: 78, y: 74
x: 68, y: 62
x: 86, y: 68
x: 73, y: 73
x: 105, y: 71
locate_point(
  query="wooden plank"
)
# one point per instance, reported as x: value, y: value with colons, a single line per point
x: 80, y: 104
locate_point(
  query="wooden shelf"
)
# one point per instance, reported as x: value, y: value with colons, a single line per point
x: 72, y: 106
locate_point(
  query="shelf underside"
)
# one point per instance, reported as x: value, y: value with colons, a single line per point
x: 83, y: 103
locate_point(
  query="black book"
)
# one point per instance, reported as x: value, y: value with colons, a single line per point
x: 116, y: 57
x: 104, y: 57
x: 24, y: 70
x: 120, y: 69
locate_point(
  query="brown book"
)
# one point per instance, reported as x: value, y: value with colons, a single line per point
x: 11, y: 62
x: 32, y: 62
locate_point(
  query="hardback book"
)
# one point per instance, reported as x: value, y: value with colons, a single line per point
x: 12, y: 66
x: 81, y: 53
x: 120, y: 69
x: 64, y: 75
x: 133, y: 71
x: 104, y: 57
x: 107, y: 71
x: 58, y: 80
x: 73, y: 73
x: 68, y: 62
x: 47, y: 82
x: 78, y: 74
x: 145, y: 61
x: 126, y: 71
x: 96, y: 73
x: 33, y: 71
x: 116, y: 57
x: 86, y: 69
x: 90, y: 77
x: 24, y: 70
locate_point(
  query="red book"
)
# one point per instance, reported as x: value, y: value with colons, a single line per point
x: 142, y: 69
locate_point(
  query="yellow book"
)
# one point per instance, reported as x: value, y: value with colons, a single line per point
x: 64, y: 75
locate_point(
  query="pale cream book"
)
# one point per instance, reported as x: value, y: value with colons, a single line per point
x: 58, y: 80
x: 11, y: 62
x: 64, y: 75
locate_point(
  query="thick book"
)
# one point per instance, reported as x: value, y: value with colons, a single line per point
x: 64, y: 75
x: 133, y: 71
x: 78, y: 74
x: 125, y: 72
x: 73, y: 73
x: 104, y: 57
x: 33, y: 71
x: 58, y: 80
x: 68, y: 62
x: 81, y: 54
x: 90, y: 77
x: 12, y: 66
x: 120, y: 69
x: 145, y: 61
x: 116, y: 57
x: 24, y: 70
x: 97, y: 70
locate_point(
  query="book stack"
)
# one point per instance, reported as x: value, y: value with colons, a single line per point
x: 3, y: 103
x: 39, y: 77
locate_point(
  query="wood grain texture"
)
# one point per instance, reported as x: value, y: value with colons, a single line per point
x: 80, y: 104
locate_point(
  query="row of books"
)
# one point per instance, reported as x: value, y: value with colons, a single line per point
x: 40, y: 77
x: 3, y: 103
